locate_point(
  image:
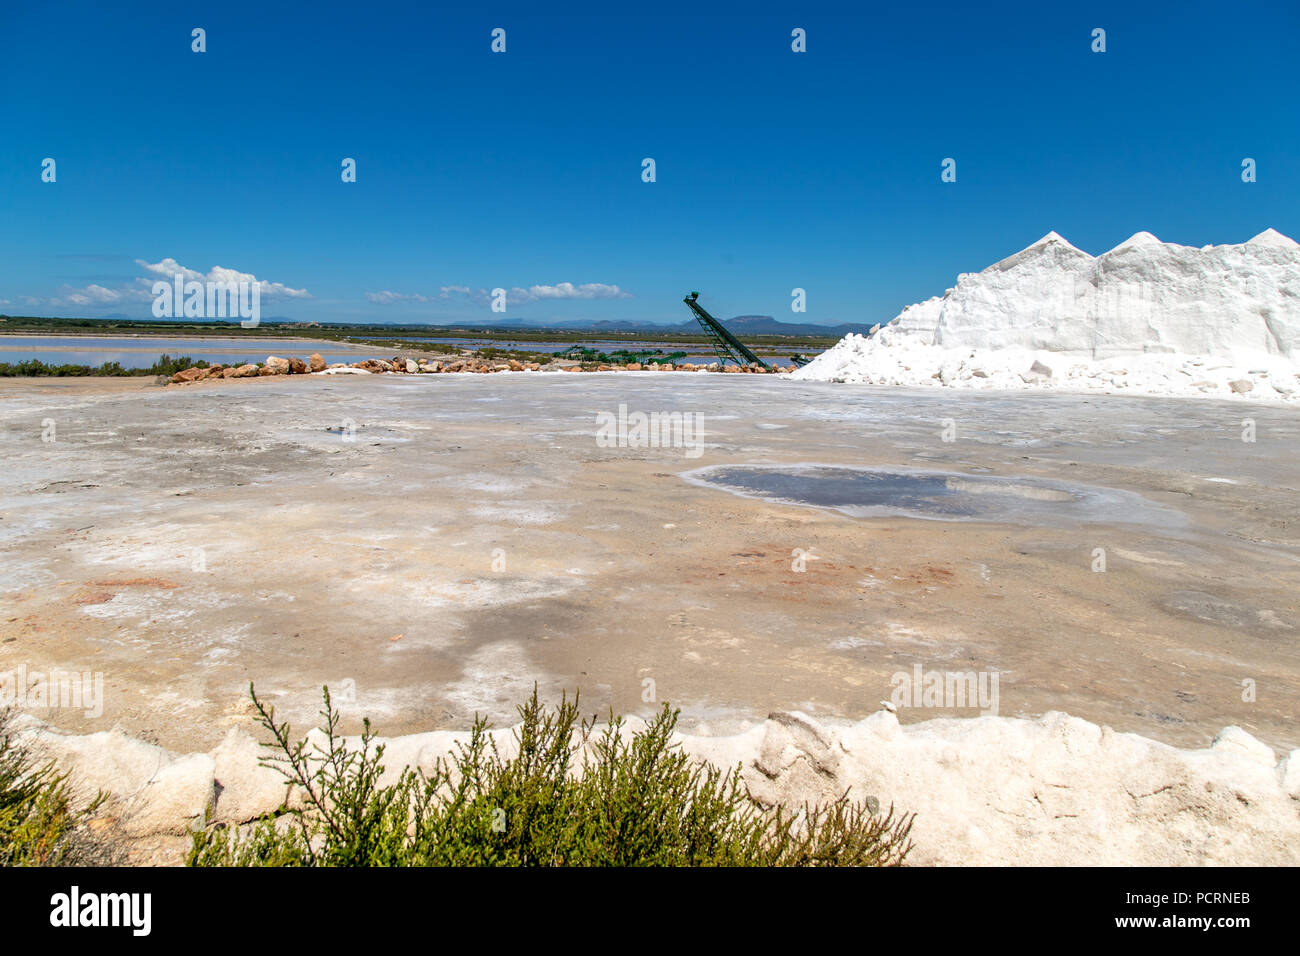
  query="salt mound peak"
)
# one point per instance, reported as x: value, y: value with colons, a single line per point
x: 1137, y: 241
x: 1052, y: 245
x: 1271, y: 237
x: 1051, y: 238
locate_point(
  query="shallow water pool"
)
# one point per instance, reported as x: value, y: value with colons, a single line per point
x: 938, y: 495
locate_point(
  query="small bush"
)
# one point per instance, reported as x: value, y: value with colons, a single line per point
x: 493, y: 353
x: 166, y: 365
x: 640, y: 801
x: 39, y: 825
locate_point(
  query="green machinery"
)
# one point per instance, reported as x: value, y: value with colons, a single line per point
x: 726, y: 345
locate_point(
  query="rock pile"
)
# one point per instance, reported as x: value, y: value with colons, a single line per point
x: 315, y: 365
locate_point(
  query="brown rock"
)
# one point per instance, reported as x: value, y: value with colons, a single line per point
x: 277, y: 365
x: 189, y: 375
x: 229, y: 372
x: 633, y: 366
x: 297, y: 366
x: 315, y: 362
x: 245, y: 371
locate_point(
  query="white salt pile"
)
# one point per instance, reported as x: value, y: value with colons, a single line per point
x: 1147, y: 317
x: 987, y: 791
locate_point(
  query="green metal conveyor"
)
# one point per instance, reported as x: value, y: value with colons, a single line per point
x: 726, y: 345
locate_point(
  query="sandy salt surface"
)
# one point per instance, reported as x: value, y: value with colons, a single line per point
x: 475, y: 539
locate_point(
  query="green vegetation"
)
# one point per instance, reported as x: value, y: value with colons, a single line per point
x: 620, y: 356
x: 39, y: 825
x: 401, y: 344
x: 493, y: 354
x: 166, y: 365
x: 639, y: 801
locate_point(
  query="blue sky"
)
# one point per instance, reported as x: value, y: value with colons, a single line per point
x: 522, y: 170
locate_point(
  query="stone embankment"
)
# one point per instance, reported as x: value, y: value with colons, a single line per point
x: 315, y: 365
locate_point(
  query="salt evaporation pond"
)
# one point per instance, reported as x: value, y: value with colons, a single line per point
x: 142, y: 351
x: 936, y: 495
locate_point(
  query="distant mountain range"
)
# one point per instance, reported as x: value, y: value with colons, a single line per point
x: 741, y: 325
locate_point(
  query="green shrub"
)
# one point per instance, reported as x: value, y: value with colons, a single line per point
x: 620, y: 356
x: 166, y: 365
x: 640, y: 801
x: 493, y: 353
x: 39, y: 825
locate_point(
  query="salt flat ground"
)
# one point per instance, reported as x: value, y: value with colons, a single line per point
x: 475, y: 539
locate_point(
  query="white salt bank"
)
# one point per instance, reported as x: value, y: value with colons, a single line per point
x: 1147, y: 317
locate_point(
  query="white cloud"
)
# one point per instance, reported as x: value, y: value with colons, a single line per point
x: 97, y: 295
x: 94, y: 295
x: 392, y: 298
x: 168, y: 268
x: 539, y: 293
x: 567, y: 290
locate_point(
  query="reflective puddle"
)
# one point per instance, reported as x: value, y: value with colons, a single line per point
x: 937, y: 495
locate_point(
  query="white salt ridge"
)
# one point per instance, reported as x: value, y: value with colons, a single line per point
x: 987, y: 791
x: 1147, y: 317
